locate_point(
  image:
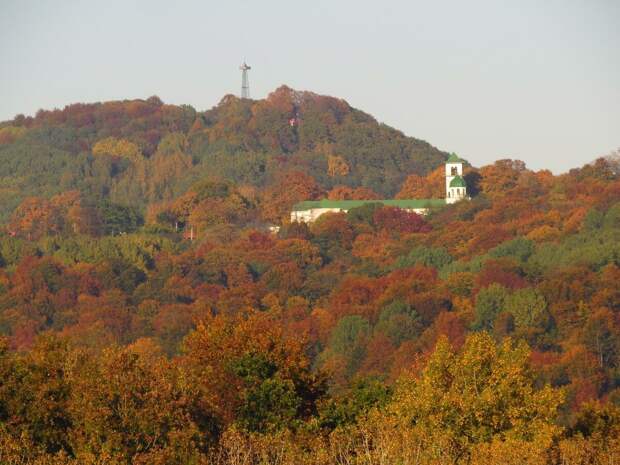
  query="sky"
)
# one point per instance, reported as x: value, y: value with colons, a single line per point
x: 533, y: 80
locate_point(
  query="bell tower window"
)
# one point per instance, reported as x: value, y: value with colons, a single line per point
x: 454, y: 171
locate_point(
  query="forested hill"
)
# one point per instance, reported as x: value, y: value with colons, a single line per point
x: 139, y: 152
x: 487, y: 332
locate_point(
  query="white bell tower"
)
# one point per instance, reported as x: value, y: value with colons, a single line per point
x: 456, y: 188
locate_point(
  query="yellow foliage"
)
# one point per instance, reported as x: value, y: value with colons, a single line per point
x: 553, y: 217
x: 575, y: 220
x: 580, y: 451
x: 118, y: 148
x: 10, y: 134
x: 512, y: 452
x: 337, y: 166
x: 473, y: 403
x: 544, y: 233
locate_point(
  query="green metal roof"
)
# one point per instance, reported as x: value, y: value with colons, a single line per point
x: 458, y: 182
x: 454, y: 158
x: 349, y: 204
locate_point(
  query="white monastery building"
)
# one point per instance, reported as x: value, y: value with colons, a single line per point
x: 456, y: 189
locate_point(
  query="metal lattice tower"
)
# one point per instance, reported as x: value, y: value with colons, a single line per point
x: 245, y: 83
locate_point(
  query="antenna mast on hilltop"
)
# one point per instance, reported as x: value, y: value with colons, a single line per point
x: 245, y: 83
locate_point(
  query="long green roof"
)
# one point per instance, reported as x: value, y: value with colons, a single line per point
x: 454, y: 158
x: 349, y: 204
x: 458, y: 182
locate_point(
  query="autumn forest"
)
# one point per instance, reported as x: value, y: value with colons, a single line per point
x: 150, y: 313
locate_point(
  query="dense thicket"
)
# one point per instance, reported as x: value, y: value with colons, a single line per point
x: 151, y: 316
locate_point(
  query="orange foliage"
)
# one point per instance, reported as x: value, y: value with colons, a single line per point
x: 349, y: 193
x: 287, y: 190
x: 433, y: 186
x: 501, y: 177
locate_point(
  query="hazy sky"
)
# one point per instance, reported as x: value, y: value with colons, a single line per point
x: 536, y: 80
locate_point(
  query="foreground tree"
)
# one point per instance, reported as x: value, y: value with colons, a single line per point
x: 141, y: 412
x: 250, y: 373
x: 479, y: 405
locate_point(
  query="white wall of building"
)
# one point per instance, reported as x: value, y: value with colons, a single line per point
x: 308, y: 216
x: 311, y: 215
x: 455, y: 194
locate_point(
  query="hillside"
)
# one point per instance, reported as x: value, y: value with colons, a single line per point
x: 485, y: 332
x: 140, y: 152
